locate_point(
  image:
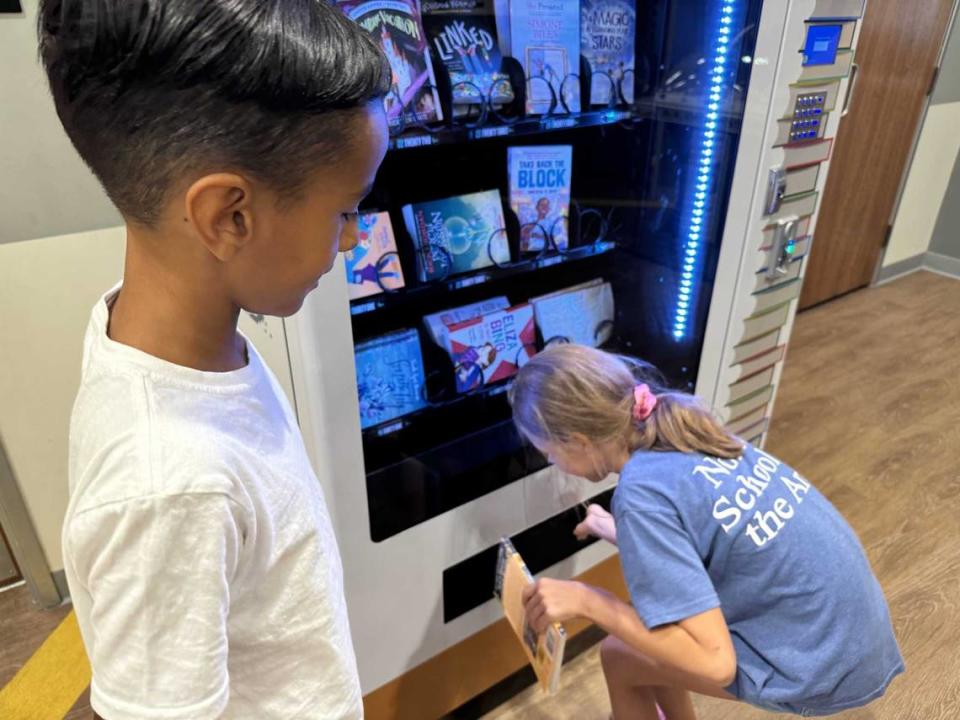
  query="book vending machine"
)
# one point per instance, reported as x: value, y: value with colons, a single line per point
x: 636, y: 175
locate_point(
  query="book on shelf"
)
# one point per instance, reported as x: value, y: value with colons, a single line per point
x: 544, y: 651
x: 540, y: 177
x: 492, y: 347
x: 545, y: 38
x: 396, y: 26
x: 373, y: 265
x: 463, y: 38
x: 581, y: 314
x: 390, y: 377
x: 438, y: 323
x: 458, y: 234
x: 607, y: 33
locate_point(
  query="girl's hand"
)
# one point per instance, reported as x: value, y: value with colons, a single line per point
x: 548, y: 601
x: 598, y: 523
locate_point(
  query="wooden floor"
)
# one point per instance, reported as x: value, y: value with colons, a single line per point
x: 23, y: 628
x: 869, y: 410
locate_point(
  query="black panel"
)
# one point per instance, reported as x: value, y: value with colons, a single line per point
x: 469, y: 583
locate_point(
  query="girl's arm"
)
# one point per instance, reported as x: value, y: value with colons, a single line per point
x: 598, y: 523
x: 699, y: 645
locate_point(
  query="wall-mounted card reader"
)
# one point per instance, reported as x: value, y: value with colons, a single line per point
x: 776, y: 188
x: 784, y: 247
x: 822, y: 43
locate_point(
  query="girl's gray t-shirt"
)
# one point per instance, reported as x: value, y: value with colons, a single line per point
x: 751, y: 536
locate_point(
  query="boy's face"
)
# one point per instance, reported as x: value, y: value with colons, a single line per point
x: 294, y: 243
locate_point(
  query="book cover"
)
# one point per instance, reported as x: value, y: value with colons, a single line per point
x: 373, y: 265
x: 540, y: 178
x: 397, y: 27
x: 492, y: 347
x: 463, y: 37
x: 544, y: 652
x: 545, y: 38
x: 438, y: 323
x: 582, y: 314
x: 608, y: 31
x: 458, y: 234
x: 390, y: 377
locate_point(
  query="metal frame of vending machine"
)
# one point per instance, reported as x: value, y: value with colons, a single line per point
x: 416, y: 663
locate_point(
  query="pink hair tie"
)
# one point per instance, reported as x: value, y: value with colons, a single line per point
x: 644, y: 402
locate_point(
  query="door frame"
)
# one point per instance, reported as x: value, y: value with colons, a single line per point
x: 23, y: 540
x: 921, y: 121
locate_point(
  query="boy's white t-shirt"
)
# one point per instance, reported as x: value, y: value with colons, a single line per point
x: 197, y: 545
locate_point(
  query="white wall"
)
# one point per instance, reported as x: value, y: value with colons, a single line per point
x: 47, y: 288
x: 49, y: 280
x: 45, y: 189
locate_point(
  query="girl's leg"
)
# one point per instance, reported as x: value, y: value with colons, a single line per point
x: 638, y: 684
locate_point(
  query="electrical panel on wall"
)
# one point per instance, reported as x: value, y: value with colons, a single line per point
x: 803, y: 137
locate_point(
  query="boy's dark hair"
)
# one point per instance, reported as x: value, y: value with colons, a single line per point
x: 149, y: 90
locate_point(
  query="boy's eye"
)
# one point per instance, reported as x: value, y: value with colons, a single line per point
x: 350, y: 216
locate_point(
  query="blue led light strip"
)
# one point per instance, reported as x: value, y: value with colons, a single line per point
x: 692, y: 228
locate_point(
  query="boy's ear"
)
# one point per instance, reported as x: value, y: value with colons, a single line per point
x: 220, y: 208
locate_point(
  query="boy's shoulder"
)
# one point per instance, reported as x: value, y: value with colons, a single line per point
x: 125, y: 446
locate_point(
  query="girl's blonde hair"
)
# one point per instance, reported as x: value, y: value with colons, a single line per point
x: 573, y: 389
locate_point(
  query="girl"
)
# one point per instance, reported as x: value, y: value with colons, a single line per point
x: 746, y: 583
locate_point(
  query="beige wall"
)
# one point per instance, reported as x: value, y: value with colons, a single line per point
x: 45, y: 189
x: 926, y: 184
x: 47, y: 288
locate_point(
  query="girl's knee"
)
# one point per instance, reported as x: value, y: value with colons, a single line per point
x: 610, y: 650
x: 617, y: 657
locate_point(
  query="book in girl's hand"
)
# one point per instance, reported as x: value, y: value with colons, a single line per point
x: 582, y: 314
x: 458, y: 234
x: 397, y: 28
x: 545, y: 38
x: 390, y: 377
x: 373, y: 265
x: 608, y: 28
x: 540, y: 178
x: 438, y: 324
x: 545, y: 652
x: 492, y: 347
x: 463, y: 38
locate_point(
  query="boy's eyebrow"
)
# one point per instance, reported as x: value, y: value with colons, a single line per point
x: 366, y: 191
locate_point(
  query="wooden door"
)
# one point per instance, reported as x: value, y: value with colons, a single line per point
x: 897, y: 53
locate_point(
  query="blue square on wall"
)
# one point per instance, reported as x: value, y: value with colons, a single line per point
x: 822, y: 42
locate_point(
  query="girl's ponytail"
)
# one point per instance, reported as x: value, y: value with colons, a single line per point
x: 574, y: 389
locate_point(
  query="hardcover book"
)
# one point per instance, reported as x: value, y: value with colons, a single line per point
x: 438, y: 323
x: 582, y: 314
x: 540, y: 178
x: 373, y: 265
x: 492, y: 347
x: 463, y: 38
x: 608, y: 29
x: 545, y: 38
x: 459, y: 234
x: 397, y: 27
x: 390, y: 377
x: 545, y: 651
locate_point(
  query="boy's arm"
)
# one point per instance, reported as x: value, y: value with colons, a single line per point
x: 156, y: 572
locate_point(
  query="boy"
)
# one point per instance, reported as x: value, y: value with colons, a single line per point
x: 237, y: 138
